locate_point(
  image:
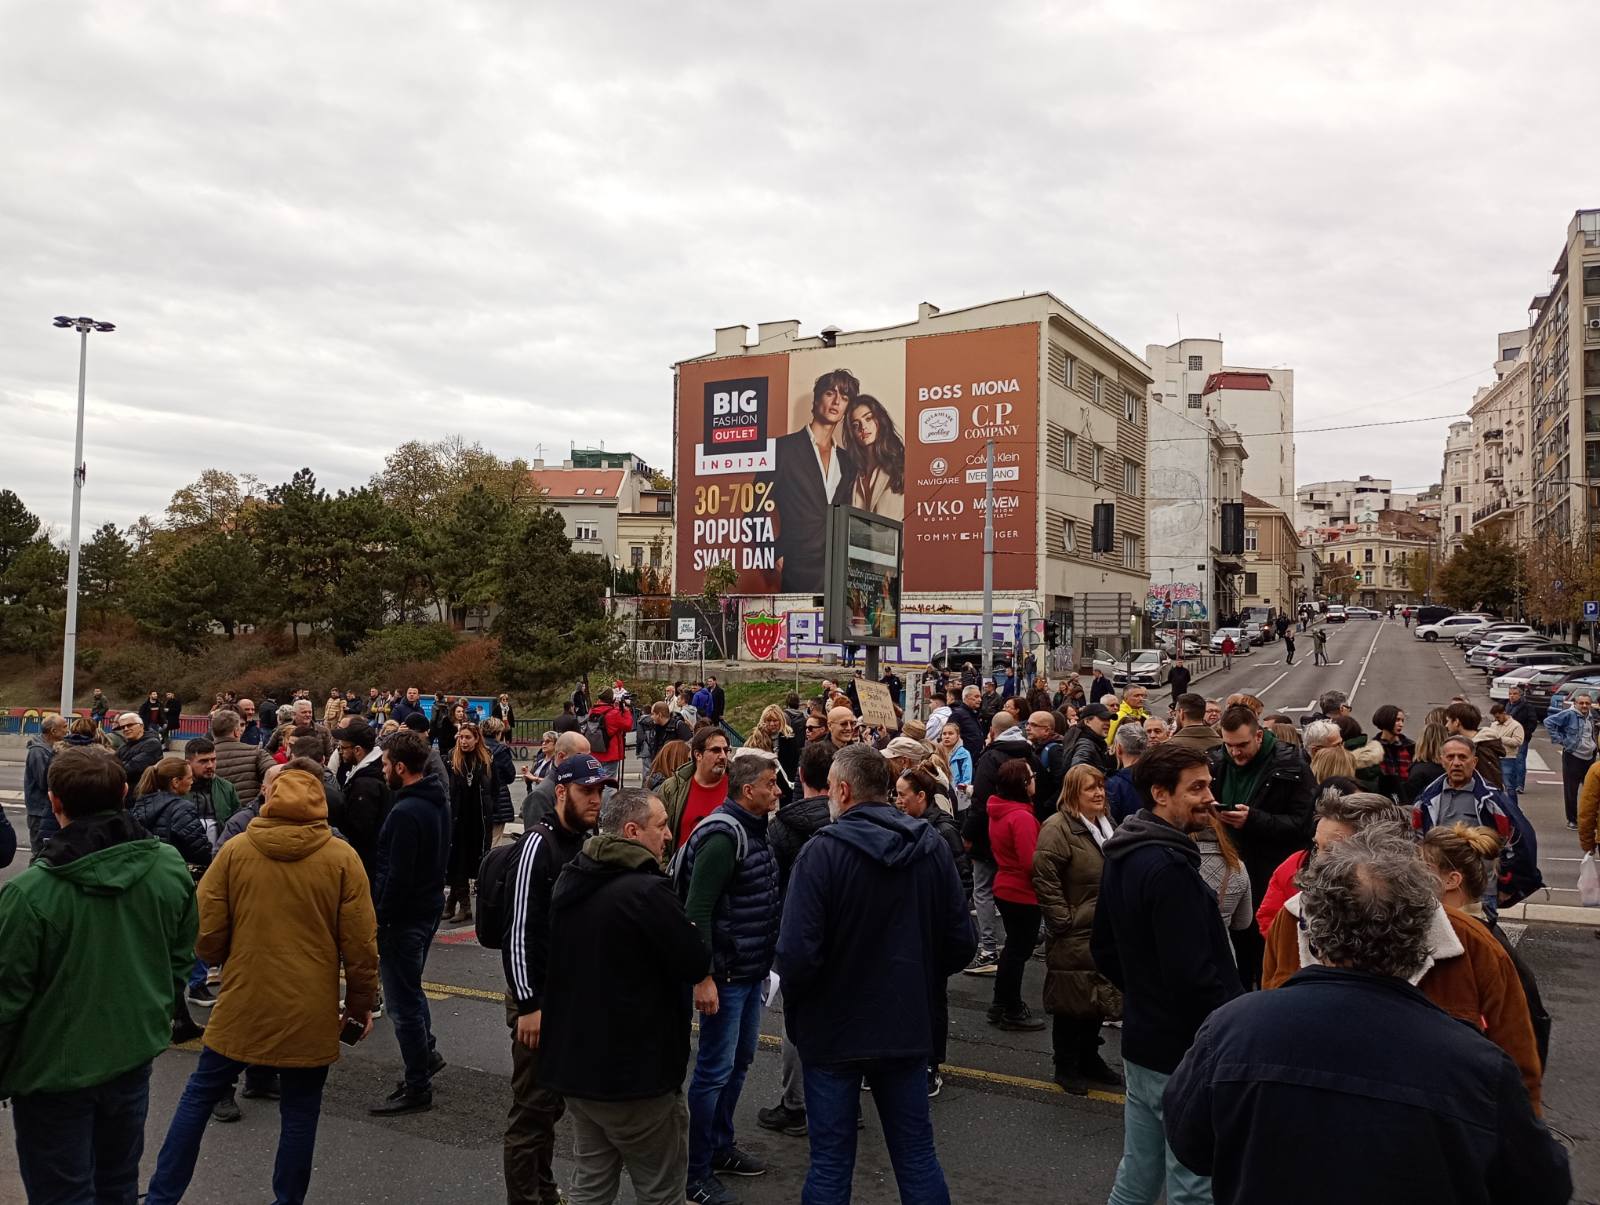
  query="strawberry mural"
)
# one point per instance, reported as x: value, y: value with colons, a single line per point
x: 761, y: 634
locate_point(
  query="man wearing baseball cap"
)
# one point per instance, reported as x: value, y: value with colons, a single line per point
x: 524, y: 950
x: 1089, y: 748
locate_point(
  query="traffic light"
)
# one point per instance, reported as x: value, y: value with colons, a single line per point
x: 1052, y: 633
x: 1105, y: 522
x: 1232, y: 528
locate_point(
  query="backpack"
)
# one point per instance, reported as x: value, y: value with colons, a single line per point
x: 495, y: 872
x: 678, y: 868
x: 593, y: 730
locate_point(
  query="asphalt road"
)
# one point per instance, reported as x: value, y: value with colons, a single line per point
x: 1005, y: 1133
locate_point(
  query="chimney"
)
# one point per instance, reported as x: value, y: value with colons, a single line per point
x: 830, y: 336
x: 926, y: 309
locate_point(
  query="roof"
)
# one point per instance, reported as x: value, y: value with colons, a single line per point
x: 571, y: 484
x: 1234, y: 379
x: 1251, y: 500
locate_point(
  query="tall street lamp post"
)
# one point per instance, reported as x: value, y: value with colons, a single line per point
x: 69, y: 649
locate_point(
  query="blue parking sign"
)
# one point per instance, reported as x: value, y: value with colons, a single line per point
x: 1591, y: 610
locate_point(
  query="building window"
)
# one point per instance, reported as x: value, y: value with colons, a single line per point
x: 1196, y: 364
x: 1249, y: 583
x: 1194, y: 401
x: 663, y: 506
x: 1366, y: 555
x: 1130, y: 477
x: 1069, y: 536
x: 636, y: 556
x: 1458, y: 523
x: 1072, y: 372
x: 1458, y: 493
x: 1099, y: 389
x: 1366, y: 577
x: 579, y: 492
x: 1130, y: 552
x: 586, y: 532
x: 1097, y: 465
x: 1252, y: 538
x: 1385, y: 556
x: 1130, y: 406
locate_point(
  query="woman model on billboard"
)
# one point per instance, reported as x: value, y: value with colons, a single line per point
x: 879, y: 456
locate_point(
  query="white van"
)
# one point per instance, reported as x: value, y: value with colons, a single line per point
x: 1451, y: 626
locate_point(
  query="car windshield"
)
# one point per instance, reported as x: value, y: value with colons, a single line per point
x: 1146, y: 657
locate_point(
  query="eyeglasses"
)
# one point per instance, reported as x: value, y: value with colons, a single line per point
x: 128, y: 727
x: 815, y: 727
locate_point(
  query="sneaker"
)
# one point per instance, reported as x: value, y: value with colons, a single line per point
x: 436, y: 1062
x: 935, y: 1084
x: 377, y: 1009
x: 783, y: 1119
x: 184, y: 1030
x: 1572, y: 824
x: 403, y: 1100
x: 201, y: 996
x: 983, y: 964
x: 1022, y: 1019
x: 265, y: 1086
x: 710, y: 1192
x: 1097, y: 1071
x: 226, y: 1109
x: 734, y: 1162
x: 1070, y: 1082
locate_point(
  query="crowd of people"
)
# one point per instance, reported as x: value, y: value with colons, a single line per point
x: 1213, y: 878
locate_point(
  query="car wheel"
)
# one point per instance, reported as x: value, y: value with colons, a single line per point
x: 1431, y: 637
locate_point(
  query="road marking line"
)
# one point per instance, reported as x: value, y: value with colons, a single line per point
x: 1271, y: 684
x: 1361, y: 674
x: 774, y: 1042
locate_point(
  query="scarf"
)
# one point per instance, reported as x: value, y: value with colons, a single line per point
x: 1239, y: 783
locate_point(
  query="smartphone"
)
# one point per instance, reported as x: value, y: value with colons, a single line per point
x: 353, y: 1031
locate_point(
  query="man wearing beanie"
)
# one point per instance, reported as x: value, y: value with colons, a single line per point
x: 280, y: 908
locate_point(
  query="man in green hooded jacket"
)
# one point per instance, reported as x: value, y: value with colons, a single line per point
x: 95, y: 940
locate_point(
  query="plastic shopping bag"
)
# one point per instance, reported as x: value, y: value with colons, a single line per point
x: 1589, y: 882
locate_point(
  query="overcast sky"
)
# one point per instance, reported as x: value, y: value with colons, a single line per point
x: 326, y: 228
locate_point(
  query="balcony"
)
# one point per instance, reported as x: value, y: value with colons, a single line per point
x: 1494, y: 473
x: 1494, y: 435
x: 1499, y: 508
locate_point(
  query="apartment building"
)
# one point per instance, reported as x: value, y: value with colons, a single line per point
x: 1256, y: 402
x: 1196, y: 465
x: 1272, y: 569
x: 611, y: 506
x: 1502, y: 416
x: 1564, y: 354
x: 1365, y: 563
x: 1455, y: 508
x: 1332, y: 503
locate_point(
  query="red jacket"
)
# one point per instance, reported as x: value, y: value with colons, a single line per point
x: 1279, y: 888
x: 617, y: 722
x: 1013, y: 833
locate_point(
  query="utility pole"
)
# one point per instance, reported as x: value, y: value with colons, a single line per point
x: 69, y: 644
x: 988, y: 562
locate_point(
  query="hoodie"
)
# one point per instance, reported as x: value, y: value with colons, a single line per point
x: 413, y: 851
x: 853, y: 991
x: 1158, y: 935
x: 622, y: 956
x: 106, y: 914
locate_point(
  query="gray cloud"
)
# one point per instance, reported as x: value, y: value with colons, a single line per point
x: 325, y: 230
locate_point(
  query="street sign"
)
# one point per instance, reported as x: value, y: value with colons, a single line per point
x: 1591, y: 611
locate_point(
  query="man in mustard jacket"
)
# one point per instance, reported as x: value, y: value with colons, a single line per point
x: 280, y: 908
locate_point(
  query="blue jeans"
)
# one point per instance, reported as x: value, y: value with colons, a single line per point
x: 214, y: 1076
x: 197, y: 974
x: 728, y: 1040
x: 1514, y: 770
x: 900, y: 1092
x: 83, y: 1147
x: 402, y: 954
x: 1148, y: 1163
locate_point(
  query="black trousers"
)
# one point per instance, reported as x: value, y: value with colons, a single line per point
x: 1572, y: 771
x: 1021, y: 923
x: 1073, y: 1040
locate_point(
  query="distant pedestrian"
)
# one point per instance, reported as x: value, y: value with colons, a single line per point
x: 1227, y: 651
x: 615, y: 1034
x: 1572, y: 730
x: 473, y: 797
x: 288, y: 908
x: 94, y: 939
x: 1179, y: 677
x: 1288, y: 646
x: 1319, y: 647
x: 173, y: 710
x: 359, y: 817
x: 859, y: 997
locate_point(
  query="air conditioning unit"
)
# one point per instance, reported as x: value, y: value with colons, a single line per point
x: 1594, y: 324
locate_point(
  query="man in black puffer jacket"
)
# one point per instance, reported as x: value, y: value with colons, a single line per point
x: 794, y: 825
x: 615, y: 1034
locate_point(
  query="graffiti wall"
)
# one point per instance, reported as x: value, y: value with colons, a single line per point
x: 796, y: 635
x: 1183, y: 602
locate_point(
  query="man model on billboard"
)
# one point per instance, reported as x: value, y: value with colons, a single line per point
x: 811, y: 472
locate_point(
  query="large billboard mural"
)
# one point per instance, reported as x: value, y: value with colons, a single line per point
x: 767, y: 443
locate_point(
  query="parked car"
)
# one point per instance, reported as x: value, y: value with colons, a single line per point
x: 1493, y: 631
x: 1450, y: 626
x: 1151, y: 667
x: 1241, y: 642
x: 1430, y: 614
x: 1536, y: 658
x: 1169, y: 645
x: 1500, y: 686
x: 1336, y: 613
x: 1585, y: 679
x: 1362, y: 613
x: 1543, y: 685
x: 953, y: 656
x: 1484, y: 653
x: 1259, y: 622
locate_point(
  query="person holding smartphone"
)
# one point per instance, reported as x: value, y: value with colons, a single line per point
x: 286, y: 884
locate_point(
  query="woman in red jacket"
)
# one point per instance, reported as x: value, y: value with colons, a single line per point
x: 1013, y: 833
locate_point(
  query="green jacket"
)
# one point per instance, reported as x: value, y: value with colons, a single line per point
x: 223, y: 801
x: 674, y: 795
x: 94, y: 950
